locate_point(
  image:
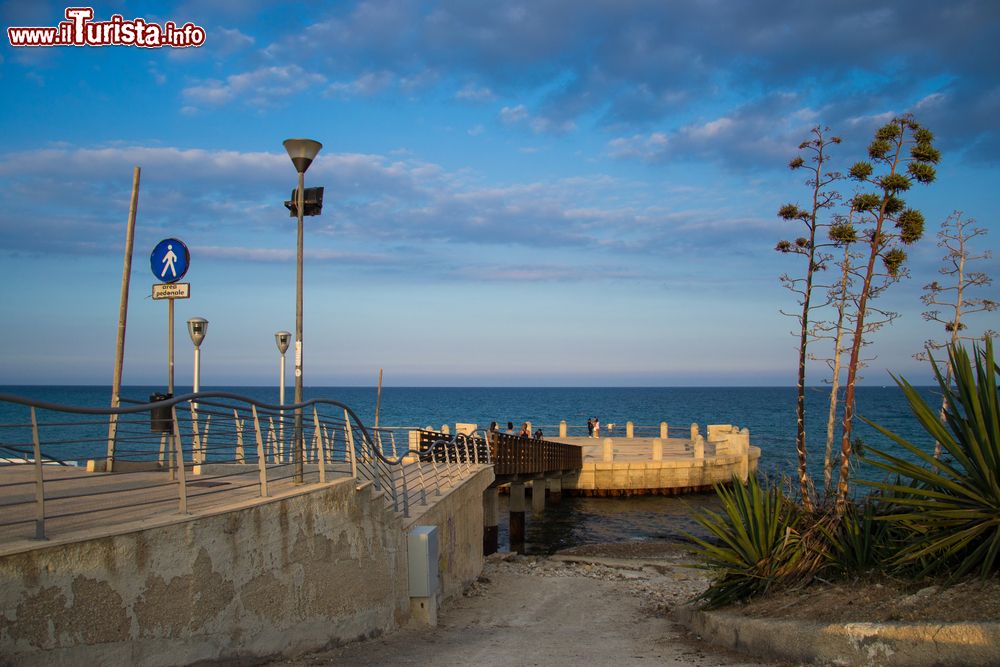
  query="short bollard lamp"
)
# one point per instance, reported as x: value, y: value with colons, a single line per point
x: 282, y: 339
x: 197, y: 328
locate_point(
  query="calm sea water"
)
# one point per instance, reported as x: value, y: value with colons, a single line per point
x: 769, y: 413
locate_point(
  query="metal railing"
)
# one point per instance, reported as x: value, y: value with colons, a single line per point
x: 187, y: 453
x: 511, y: 455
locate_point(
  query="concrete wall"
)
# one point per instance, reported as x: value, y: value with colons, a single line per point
x: 458, y: 515
x: 282, y: 577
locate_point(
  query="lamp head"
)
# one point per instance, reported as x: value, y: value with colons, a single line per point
x: 197, y: 328
x: 282, y: 338
x: 302, y: 152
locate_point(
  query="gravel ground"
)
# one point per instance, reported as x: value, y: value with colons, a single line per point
x: 594, y: 606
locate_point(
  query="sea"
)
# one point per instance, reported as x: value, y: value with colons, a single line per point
x: 768, y: 412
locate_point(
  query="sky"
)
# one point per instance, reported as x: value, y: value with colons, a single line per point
x: 550, y: 193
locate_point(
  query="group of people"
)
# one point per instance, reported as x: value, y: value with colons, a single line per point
x: 525, y: 431
x: 593, y: 427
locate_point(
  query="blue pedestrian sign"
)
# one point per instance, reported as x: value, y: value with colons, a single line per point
x: 170, y: 260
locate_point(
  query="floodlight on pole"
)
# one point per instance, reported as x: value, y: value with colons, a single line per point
x: 302, y: 153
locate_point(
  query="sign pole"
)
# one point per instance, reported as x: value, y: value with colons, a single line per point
x: 170, y: 347
x: 170, y: 256
x: 116, y: 385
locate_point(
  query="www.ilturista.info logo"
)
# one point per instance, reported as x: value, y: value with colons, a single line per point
x: 79, y: 29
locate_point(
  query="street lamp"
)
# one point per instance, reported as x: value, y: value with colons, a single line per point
x: 302, y: 152
x: 281, y: 339
x: 197, y: 328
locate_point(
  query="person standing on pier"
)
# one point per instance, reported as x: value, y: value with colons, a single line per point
x: 590, y: 427
x: 510, y: 428
x: 597, y: 427
x: 525, y: 431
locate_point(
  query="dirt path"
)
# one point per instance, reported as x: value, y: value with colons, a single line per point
x: 552, y: 612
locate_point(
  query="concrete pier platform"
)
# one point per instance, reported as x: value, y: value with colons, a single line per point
x: 660, y: 466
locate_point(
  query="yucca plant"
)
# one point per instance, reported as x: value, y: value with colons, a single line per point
x: 859, y: 542
x: 950, y: 506
x: 756, y: 541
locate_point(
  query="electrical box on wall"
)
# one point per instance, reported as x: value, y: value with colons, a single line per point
x: 422, y: 559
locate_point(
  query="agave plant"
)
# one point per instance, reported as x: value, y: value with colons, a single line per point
x: 756, y: 541
x: 859, y: 542
x: 950, y: 506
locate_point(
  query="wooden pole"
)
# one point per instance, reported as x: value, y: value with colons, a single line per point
x: 378, y: 398
x: 378, y: 407
x: 122, y: 318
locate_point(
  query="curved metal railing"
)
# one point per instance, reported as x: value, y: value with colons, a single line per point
x: 204, y: 444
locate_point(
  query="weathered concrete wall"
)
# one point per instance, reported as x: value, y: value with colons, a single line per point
x: 282, y: 577
x: 458, y: 515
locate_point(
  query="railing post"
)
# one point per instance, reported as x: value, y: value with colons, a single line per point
x: 663, y: 430
x: 437, y: 475
x: 181, y: 473
x: 349, y: 437
x: 322, y: 446
x: 238, y: 423
x: 629, y: 430
x: 277, y: 450
x: 196, y: 442
x: 39, y: 480
x: 406, y: 494
x: 261, y: 456
x: 204, y: 438
x: 562, y: 428
x: 423, y: 484
x: 163, y: 440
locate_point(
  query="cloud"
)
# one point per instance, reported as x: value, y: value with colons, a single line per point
x: 264, y: 86
x: 367, y: 84
x: 539, y: 124
x: 764, y: 131
x: 515, y: 114
x: 648, y: 67
x: 473, y: 93
x: 378, y: 209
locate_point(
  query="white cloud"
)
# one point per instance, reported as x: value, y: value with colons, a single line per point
x: 473, y: 93
x: 512, y: 115
x: 262, y: 87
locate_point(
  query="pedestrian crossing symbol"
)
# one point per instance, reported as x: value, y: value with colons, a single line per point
x: 170, y: 260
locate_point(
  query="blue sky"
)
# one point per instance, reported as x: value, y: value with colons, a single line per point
x: 544, y: 193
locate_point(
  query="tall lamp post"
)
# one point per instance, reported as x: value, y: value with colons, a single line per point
x: 302, y: 152
x: 197, y: 328
x: 282, y: 339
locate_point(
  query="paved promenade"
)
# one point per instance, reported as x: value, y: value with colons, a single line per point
x: 81, y: 505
